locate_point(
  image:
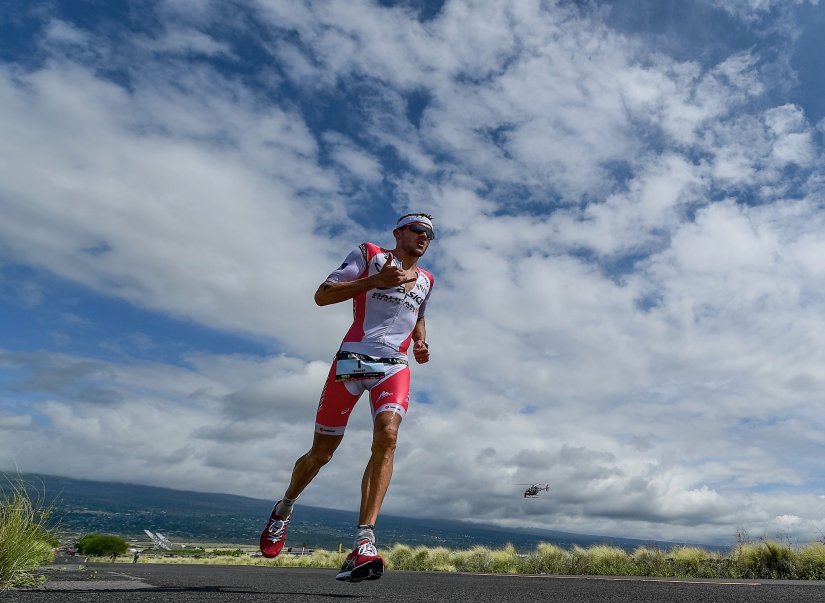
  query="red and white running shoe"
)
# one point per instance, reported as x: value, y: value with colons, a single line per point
x: 363, y: 563
x: 273, y: 536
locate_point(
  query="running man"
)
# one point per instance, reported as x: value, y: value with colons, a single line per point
x: 389, y: 293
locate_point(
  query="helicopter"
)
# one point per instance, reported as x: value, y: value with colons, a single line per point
x: 534, y: 489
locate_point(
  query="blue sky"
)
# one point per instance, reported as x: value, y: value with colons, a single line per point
x: 628, y: 298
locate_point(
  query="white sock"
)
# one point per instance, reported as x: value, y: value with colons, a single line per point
x: 284, y: 507
x: 365, y: 532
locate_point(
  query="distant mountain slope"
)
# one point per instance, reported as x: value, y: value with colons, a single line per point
x: 82, y: 506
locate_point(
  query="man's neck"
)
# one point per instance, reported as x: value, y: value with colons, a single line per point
x: 407, y: 260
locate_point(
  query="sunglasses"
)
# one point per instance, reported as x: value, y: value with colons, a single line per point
x: 418, y: 229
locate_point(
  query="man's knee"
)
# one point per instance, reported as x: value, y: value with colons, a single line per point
x: 320, y: 457
x: 385, y: 437
x: 322, y: 450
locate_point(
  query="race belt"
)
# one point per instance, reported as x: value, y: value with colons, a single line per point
x: 351, y: 366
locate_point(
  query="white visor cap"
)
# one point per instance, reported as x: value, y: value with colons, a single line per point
x: 416, y: 219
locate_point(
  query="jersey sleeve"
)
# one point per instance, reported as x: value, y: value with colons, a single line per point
x: 423, y: 307
x: 354, y: 265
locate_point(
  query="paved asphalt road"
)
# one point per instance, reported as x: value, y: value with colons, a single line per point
x: 149, y: 583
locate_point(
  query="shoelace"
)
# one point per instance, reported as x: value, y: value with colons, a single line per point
x: 367, y: 548
x: 275, y: 534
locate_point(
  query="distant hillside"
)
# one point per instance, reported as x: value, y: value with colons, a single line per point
x: 82, y: 506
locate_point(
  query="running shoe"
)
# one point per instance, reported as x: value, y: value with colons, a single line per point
x: 273, y: 536
x: 363, y: 563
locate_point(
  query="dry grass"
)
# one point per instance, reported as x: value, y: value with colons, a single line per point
x: 24, y: 541
x: 764, y: 559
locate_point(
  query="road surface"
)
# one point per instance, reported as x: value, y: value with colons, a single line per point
x: 157, y: 583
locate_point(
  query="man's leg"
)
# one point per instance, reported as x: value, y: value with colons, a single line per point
x: 364, y: 562
x: 308, y: 466
x: 334, y: 407
x: 305, y: 469
x: 378, y: 473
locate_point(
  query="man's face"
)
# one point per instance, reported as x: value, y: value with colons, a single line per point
x: 414, y: 243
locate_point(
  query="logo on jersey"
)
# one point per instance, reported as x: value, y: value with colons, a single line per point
x: 392, y: 407
x: 323, y: 395
x: 386, y: 297
x: 383, y: 395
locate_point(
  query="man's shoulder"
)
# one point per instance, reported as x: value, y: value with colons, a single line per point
x: 427, y: 274
x: 371, y: 249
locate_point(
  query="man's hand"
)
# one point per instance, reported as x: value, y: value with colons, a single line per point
x: 421, y: 352
x: 391, y: 276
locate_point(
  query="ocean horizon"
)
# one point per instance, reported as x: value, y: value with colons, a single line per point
x: 87, y: 506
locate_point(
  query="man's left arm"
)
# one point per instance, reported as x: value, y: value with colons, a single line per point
x: 421, y: 351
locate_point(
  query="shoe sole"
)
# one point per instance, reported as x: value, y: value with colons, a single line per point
x: 371, y: 570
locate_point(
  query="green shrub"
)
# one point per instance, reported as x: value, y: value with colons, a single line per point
x: 549, y: 559
x: 227, y: 552
x: 399, y: 557
x: 477, y: 559
x: 102, y: 545
x: 811, y: 561
x: 761, y: 560
x: 765, y: 559
x: 440, y: 560
x: 579, y: 561
x: 25, y: 543
x: 505, y: 561
x: 691, y: 562
x: 318, y: 559
x: 604, y: 560
x: 651, y: 562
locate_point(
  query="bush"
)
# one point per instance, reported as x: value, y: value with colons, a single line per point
x: 102, y: 545
x: 478, y: 559
x: 25, y: 544
x: 422, y: 559
x: 766, y: 559
x: 400, y: 556
x: 505, y: 561
x: 604, y: 560
x: 227, y: 552
x: 440, y: 560
x: 651, y: 562
x: 812, y: 562
x: 691, y: 562
x: 324, y: 559
x: 549, y: 559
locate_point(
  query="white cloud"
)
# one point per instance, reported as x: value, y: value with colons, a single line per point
x: 361, y: 165
x: 185, y: 41
x: 751, y: 10
x: 60, y: 32
x: 180, y: 221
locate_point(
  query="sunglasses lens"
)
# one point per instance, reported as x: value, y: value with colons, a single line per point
x: 417, y: 229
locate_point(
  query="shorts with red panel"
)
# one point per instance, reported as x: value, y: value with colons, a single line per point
x: 390, y: 393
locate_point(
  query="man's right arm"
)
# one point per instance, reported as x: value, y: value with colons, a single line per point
x: 389, y: 276
x: 333, y: 293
